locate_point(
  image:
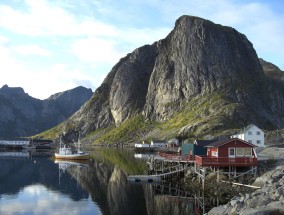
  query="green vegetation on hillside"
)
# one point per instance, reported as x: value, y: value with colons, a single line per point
x: 50, y: 133
x: 202, y: 115
x: 130, y: 130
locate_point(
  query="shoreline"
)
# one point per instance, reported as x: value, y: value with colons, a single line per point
x: 269, y: 198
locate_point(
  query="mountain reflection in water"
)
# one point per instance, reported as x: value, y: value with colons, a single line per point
x: 39, y: 185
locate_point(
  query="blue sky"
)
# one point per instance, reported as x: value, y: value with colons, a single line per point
x: 48, y: 46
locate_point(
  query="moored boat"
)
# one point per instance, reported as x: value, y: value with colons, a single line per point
x: 65, y: 152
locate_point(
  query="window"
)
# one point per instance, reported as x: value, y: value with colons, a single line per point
x: 231, y: 152
x: 249, y: 133
x: 258, y: 133
x: 258, y: 142
x: 247, y: 152
x: 250, y: 141
x: 214, y: 153
x: 243, y: 152
x: 239, y: 152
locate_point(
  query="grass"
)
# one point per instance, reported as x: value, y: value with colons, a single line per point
x: 202, y: 114
x: 131, y: 130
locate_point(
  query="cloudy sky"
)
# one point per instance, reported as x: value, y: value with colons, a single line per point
x: 49, y: 46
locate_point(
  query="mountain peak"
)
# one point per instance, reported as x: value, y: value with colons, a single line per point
x: 202, y: 77
x: 12, y: 91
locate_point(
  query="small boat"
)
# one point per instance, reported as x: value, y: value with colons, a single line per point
x: 29, y: 147
x: 65, y: 152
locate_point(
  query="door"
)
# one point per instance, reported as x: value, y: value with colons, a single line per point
x: 232, y: 152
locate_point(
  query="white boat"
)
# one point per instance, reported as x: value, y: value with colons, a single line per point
x: 29, y: 147
x: 65, y: 152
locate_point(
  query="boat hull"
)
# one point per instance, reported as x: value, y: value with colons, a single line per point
x: 72, y: 157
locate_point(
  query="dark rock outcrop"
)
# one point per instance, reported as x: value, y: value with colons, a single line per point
x: 269, y: 199
x: 23, y: 115
x: 195, y: 62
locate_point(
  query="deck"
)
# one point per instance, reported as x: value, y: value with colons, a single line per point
x: 176, y: 157
x: 225, y: 161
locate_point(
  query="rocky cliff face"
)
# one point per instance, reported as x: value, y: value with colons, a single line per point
x: 23, y: 115
x: 209, y: 72
x: 200, y: 57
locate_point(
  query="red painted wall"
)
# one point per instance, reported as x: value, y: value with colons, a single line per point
x: 223, y: 150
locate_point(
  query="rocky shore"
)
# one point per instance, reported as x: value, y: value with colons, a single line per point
x: 269, y: 199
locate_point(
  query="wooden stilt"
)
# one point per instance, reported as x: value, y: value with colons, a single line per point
x: 218, y: 175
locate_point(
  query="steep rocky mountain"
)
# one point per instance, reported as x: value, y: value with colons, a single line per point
x: 272, y: 71
x: 202, y: 79
x: 23, y: 115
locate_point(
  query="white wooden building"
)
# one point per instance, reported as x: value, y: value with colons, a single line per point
x: 251, y: 134
x: 158, y: 143
x: 14, y: 143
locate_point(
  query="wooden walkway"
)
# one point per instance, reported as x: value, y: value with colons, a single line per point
x: 157, y: 177
x: 175, y: 158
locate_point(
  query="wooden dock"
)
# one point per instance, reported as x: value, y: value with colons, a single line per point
x: 157, y: 177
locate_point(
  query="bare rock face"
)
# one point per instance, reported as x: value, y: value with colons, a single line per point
x: 129, y: 88
x: 197, y: 59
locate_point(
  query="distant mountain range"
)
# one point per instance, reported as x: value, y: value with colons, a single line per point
x: 202, y: 80
x: 23, y: 115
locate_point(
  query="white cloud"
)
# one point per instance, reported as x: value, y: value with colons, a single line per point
x: 32, y: 50
x: 96, y: 50
x: 66, y: 78
x: 43, y: 19
x: 4, y: 40
x: 41, y: 84
x: 37, y: 199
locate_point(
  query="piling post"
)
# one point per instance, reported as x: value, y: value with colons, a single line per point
x: 218, y: 175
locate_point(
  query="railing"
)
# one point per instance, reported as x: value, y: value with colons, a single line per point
x: 225, y: 161
x: 176, y: 157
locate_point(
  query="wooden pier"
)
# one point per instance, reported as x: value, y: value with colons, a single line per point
x: 166, y: 165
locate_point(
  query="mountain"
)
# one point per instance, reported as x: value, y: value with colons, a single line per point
x: 201, y: 80
x: 23, y: 115
x: 272, y: 71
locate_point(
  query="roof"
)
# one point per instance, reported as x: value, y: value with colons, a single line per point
x: 159, y: 141
x: 224, y: 141
x: 247, y: 128
x: 203, y: 142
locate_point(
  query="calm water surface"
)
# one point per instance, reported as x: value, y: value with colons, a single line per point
x: 35, y: 184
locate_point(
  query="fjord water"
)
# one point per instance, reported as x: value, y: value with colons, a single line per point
x: 39, y: 185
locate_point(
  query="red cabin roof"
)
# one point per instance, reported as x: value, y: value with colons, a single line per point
x: 222, y: 142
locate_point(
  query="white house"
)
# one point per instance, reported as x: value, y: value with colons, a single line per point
x: 251, y: 134
x: 173, y: 143
x: 158, y: 143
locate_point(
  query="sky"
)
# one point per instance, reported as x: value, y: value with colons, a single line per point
x: 49, y: 46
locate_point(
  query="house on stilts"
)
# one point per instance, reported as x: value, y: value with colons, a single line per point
x: 232, y: 155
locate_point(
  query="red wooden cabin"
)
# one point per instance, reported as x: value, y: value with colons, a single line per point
x: 228, y: 152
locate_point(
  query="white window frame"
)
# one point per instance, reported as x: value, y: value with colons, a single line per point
x: 229, y: 152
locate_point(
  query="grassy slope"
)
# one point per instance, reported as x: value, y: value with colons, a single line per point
x: 201, y: 116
